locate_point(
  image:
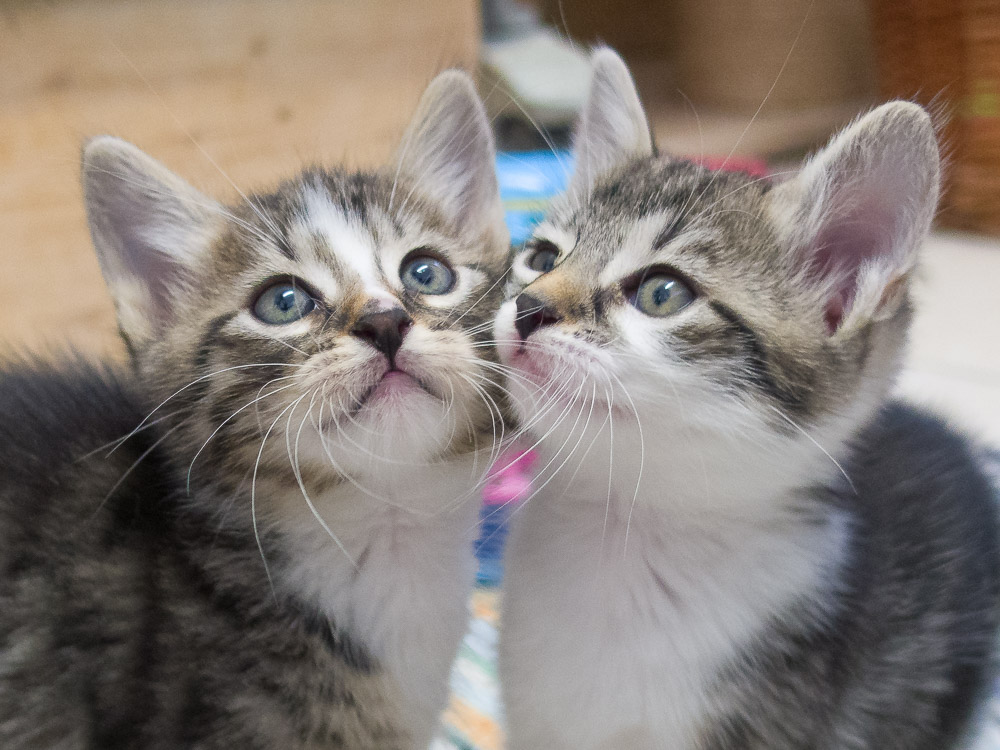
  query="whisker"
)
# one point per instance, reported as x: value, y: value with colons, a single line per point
x: 812, y: 440
x: 297, y: 471
x: 229, y: 419
x: 114, y: 444
x: 253, y: 493
x: 199, y: 380
x: 642, y: 458
x: 132, y: 467
x: 268, y: 222
x: 767, y: 96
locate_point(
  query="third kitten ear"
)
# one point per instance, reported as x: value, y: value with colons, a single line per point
x: 861, y: 208
x: 613, y: 127
x: 448, y: 150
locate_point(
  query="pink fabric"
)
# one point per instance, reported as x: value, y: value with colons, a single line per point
x: 746, y: 164
x: 510, y: 477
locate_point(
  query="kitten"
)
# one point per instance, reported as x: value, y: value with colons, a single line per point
x: 279, y: 552
x: 742, y: 542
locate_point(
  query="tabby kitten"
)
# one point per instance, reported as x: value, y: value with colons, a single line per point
x: 278, y: 554
x: 746, y: 544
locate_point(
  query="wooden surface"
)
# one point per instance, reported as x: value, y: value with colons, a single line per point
x: 260, y: 88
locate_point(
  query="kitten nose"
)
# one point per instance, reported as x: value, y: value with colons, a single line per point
x: 532, y: 314
x: 384, y: 330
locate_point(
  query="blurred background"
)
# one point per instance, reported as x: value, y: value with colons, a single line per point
x: 246, y: 92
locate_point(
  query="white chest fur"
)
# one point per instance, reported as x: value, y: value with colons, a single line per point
x: 399, y: 580
x: 607, y: 646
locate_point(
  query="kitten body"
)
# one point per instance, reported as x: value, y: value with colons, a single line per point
x: 128, y: 622
x: 278, y: 554
x: 737, y: 540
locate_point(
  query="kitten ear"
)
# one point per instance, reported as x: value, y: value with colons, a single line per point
x: 861, y: 208
x: 448, y: 149
x: 612, y: 127
x: 149, y: 228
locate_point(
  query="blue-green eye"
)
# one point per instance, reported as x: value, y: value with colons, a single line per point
x: 283, y: 303
x: 661, y: 294
x: 543, y: 257
x: 425, y: 274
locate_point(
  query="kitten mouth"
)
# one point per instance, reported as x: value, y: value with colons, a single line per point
x: 396, y: 380
x: 540, y: 370
x: 393, y: 383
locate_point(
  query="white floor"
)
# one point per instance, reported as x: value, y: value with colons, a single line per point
x: 953, y: 364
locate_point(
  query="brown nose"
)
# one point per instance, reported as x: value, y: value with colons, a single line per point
x: 384, y: 330
x: 532, y: 314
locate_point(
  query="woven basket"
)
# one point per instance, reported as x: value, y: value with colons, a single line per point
x: 945, y: 54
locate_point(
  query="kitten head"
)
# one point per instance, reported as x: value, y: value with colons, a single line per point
x: 340, y: 322
x: 730, y: 333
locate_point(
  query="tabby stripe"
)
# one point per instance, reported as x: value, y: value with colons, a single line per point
x: 760, y: 366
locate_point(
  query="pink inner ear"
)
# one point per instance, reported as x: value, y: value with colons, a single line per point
x: 834, y: 313
x: 842, y: 247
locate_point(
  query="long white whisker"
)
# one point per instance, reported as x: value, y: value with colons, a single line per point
x: 198, y: 380
x: 253, y: 493
x: 131, y: 468
x: 642, y: 460
x: 268, y: 222
x: 812, y: 440
x: 302, y: 486
x: 229, y: 419
x: 767, y: 96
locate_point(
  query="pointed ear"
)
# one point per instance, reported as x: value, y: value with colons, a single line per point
x: 860, y: 209
x: 613, y: 127
x: 149, y: 228
x: 448, y: 150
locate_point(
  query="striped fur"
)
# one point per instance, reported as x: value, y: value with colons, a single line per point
x: 738, y: 541
x: 254, y: 537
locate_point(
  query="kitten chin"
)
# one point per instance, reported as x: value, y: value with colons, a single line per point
x: 745, y: 541
x: 259, y: 535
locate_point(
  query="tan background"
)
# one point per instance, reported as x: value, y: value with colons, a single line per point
x: 258, y: 87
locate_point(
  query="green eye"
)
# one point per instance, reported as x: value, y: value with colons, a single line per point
x: 543, y: 257
x: 283, y: 303
x: 661, y: 294
x: 425, y: 274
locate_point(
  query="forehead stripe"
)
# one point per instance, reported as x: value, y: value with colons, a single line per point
x: 668, y: 232
x: 345, y: 239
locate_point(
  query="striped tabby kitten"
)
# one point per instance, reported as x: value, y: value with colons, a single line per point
x: 278, y: 555
x: 747, y: 545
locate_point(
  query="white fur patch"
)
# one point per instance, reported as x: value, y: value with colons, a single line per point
x: 400, y: 584
x: 351, y: 245
x: 602, y: 641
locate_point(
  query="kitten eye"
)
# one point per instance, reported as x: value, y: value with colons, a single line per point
x: 661, y: 294
x: 425, y: 274
x: 543, y: 257
x: 283, y: 303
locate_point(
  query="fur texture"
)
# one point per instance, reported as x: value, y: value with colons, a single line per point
x: 737, y: 541
x: 260, y: 535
